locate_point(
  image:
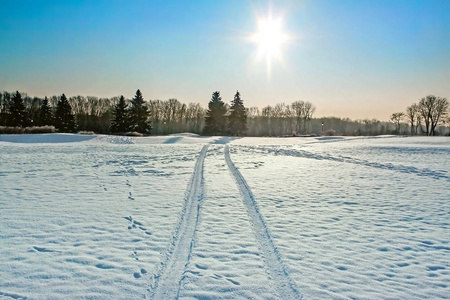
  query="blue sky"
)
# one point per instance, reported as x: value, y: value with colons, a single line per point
x: 357, y: 59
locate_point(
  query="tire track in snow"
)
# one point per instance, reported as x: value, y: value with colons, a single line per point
x: 284, y: 285
x: 166, y: 283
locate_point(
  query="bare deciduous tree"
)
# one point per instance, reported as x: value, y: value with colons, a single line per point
x: 310, y: 109
x: 412, y: 113
x: 432, y: 109
x: 303, y: 112
x: 397, y: 118
x: 298, y: 107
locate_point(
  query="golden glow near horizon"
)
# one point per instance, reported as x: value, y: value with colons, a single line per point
x: 269, y: 38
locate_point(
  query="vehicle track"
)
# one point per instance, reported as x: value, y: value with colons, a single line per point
x: 284, y: 285
x: 166, y: 283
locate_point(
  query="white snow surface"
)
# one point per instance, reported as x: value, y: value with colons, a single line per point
x: 191, y: 217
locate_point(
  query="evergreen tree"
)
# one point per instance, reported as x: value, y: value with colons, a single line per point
x: 5, y: 100
x: 18, y: 114
x: 64, y: 118
x: 215, y: 120
x: 139, y: 114
x: 45, y: 114
x: 121, y: 122
x: 237, y: 121
x: 5, y: 116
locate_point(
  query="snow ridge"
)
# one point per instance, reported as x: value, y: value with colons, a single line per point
x: 285, y: 286
x: 167, y: 282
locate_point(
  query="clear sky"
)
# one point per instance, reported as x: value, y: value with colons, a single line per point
x: 351, y: 58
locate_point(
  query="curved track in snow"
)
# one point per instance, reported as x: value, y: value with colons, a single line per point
x: 424, y: 172
x: 284, y: 285
x: 166, y: 284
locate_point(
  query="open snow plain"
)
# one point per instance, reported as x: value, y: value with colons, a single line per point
x: 186, y: 217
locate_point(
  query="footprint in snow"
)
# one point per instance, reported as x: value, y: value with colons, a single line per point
x: 233, y: 281
x: 401, y: 265
x: 104, y: 266
x: 138, y: 275
x: 201, y: 267
x: 132, y: 225
x: 42, y: 249
x: 435, y: 268
x: 141, y: 227
x: 135, y: 255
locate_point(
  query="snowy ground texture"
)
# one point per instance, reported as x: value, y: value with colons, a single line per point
x: 187, y: 217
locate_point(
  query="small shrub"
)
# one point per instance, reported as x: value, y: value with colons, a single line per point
x: 26, y: 130
x: 133, y: 133
x: 40, y: 129
x: 5, y: 130
x: 10, y: 130
x: 330, y: 132
x: 86, y: 132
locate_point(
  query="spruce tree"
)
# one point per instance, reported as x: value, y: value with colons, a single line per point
x: 139, y: 114
x: 18, y: 114
x: 237, y: 121
x: 64, y: 118
x: 121, y: 122
x: 215, y: 120
x: 45, y: 114
x: 5, y: 116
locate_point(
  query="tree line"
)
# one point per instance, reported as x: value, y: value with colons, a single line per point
x: 423, y: 117
x: 100, y: 114
x: 15, y: 113
x: 120, y: 115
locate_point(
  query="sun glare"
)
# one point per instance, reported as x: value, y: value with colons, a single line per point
x: 269, y: 38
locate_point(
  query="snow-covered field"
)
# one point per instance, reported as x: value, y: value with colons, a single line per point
x: 187, y: 217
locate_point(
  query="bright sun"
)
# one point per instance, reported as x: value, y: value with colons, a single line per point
x: 269, y: 38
